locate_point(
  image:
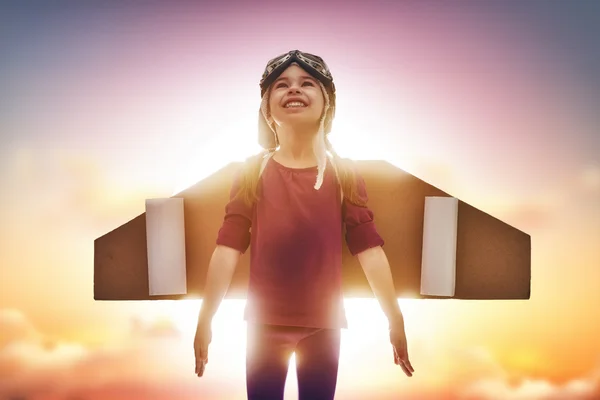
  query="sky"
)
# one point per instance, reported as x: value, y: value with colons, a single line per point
x: 105, y: 105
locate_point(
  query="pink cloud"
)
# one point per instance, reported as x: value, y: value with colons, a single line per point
x: 154, y: 361
x: 14, y: 326
x: 56, y: 188
x: 584, y: 388
x: 146, y: 360
x: 500, y: 384
x: 529, y: 216
x: 590, y: 179
x: 449, y: 372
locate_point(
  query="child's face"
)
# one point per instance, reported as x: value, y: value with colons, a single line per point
x: 295, y: 84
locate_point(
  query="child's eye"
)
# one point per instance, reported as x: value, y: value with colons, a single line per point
x: 282, y: 84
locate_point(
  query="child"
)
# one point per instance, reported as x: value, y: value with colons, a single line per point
x: 294, y: 225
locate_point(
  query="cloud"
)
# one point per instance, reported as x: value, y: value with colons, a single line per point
x: 14, y: 326
x: 28, y: 358
x: 590, y: 179
x: 58, y: 187
x: 533, y: 389
x: 25, y: 351
x: 529, y: 216
x: 454, y: 372
x: 147, y: 357
x: 586, y: 387
x: 159, y: 328
x: 151, y: 361
x: 546, y: 208
x: 473, y: 373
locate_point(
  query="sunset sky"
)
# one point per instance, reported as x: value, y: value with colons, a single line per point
x: 105, y: 105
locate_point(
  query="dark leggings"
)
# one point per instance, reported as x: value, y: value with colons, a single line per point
x: 269, y: 348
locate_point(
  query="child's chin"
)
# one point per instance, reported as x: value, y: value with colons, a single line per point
x: 302, y: 121
x: 296, y: 110
x: 302, y: 116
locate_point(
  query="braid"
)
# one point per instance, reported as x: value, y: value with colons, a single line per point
x: 347, y: 175
x: 339, y: 162
x: 249, y: 177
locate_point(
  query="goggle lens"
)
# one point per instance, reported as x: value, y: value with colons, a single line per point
x: 315, y: 62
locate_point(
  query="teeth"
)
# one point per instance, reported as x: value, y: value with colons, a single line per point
x: 295, y: 104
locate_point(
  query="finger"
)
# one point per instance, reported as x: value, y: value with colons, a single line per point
x: 201, y: 360
x: 409, y: 365
x: 402, y: 357
x: 405, y: 369
x: 405, y: 360
x: 405, y: 364
x: 200, y: 366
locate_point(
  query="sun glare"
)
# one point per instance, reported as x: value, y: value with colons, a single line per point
x: 209, y: 156
x: 366, y: 336
x: 364, y: 343
x: 363, y: 315
x: 234, y: 142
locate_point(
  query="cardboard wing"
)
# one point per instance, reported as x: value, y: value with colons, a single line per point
x: 438, y: 246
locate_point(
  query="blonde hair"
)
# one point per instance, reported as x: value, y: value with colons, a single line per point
x: 250, y: 177
x: 250, y: 174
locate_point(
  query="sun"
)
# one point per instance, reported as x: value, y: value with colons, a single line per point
x: 207, y: 157
x: 184, y: 315
x: 363, y: 315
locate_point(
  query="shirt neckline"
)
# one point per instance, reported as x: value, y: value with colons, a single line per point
x: 304, y: 169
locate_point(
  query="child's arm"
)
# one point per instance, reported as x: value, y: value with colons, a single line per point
x: 221, y: 267
x: 223, y: 263
x: 232, y: 241
x: 365, y: 243
x: 377, y: 270
x: 375, y: 264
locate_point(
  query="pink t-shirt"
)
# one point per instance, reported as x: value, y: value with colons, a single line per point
x: 296, y: 234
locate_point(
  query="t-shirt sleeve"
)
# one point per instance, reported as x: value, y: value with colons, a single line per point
x: 361, y: 232
x: 235, y: 230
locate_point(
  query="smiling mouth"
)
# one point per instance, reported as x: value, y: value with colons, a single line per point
x: 294, y: 104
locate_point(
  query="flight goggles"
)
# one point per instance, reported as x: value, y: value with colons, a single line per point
x: 313, y: 65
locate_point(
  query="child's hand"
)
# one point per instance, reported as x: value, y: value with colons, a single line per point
x: 201, y: 342
x: 400, y: 348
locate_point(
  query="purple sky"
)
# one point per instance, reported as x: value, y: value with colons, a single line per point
x: 493, y: 102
